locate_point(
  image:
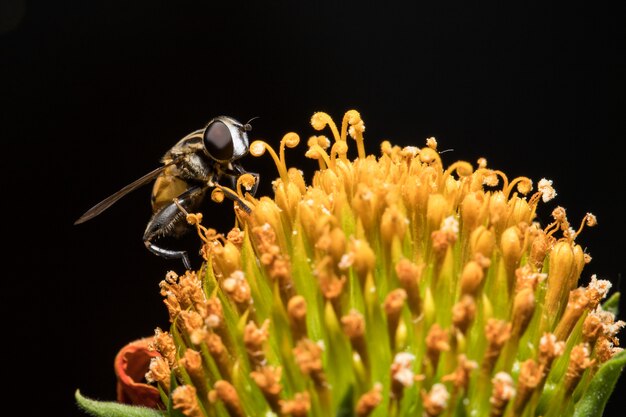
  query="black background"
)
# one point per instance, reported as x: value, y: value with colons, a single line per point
x: 93, y: 93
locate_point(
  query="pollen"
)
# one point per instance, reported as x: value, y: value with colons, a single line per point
x: 436, y: 400
x: 503, y: 391
x: 547, y: 191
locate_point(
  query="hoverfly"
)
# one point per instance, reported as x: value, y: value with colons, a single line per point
x: 198, y: 161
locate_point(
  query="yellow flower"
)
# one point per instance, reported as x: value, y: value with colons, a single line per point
x: 389, y: 285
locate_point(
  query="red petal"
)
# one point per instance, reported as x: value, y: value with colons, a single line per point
x: 131, y: 364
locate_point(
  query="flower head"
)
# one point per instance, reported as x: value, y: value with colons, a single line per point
x: 388, y: 284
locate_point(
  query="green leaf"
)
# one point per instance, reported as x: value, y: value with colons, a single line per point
x: 114, y: 409
x: 600, y: 388
x: 612, y: 304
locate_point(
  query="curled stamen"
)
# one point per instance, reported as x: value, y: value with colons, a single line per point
x: 290, y: 140
x: 317, y: 152
x: 258, y: 148
x: 217, y: 195
x: 246, y: 181
x: 320, y: 120
x: 589, y: 220
x: 194, y: 219
x: 524, y: 185
x: 505, y: 182
x: 353, y: 118
x: 339, y: 149
x: 430, y: 156
x: 462, y: 168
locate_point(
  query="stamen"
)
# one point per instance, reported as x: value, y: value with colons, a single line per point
x: 501, y: 394
x: 268, y: 380
x: 578, y: 363
x: 354, y: 327
x: 461, y: 375
x: 524, y: 185
x: 320, y: 120
x: 437, y: 341
x: 308, y: 356
x: 369, y: 401
x: 296, y: 310
x: 254, y: 337
x: 184, y: 399
x: 589, y: 220
x: 529, y: 378
x: 497, y: 332
x: 192, y: 362
x: 353, y: 118
x: 436, y: 400
x: 505, y: 182
x: 393, y: 308
x: 289, y: 140
x: 298, y: 407
x: 462, y: 168
x: 258, y: 148
x: 224, y: 391
x: 160, y: 372
x: 317, y: 152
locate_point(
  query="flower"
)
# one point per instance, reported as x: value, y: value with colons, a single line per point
x: 388, y: 285
x: 132, y: 363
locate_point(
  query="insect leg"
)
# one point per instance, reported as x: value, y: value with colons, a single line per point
x: 170, y: 221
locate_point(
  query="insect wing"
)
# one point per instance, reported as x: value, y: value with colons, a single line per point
x: 112, y: 199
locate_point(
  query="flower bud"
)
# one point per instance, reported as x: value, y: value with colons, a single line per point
x: 511, y: 244
x: 337, y: 246
x: 364, y: 258
x: 463, y: 313
x: 393, y: 224
x: 227, y: 258
x: 576, y: 306
x: 497, y: 210
x: 409, y: 275
x: 437, y: 210
x: 539, y: 249
x: 394, y: 301
x: 472, y: 210
x: 523, y: 309
x: 579, y: 264
x: 519, y: 211
x: 365, y: 203
x: 471, y: 278
x: 482, y: 240
x: 561, y: 265
x: 287, y: 197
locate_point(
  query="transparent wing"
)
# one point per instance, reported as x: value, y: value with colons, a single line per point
x: 112, y: 199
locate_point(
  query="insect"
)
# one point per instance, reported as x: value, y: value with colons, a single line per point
x: 198, y: 162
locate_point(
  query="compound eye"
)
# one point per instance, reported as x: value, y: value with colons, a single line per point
x: 218, y: 141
